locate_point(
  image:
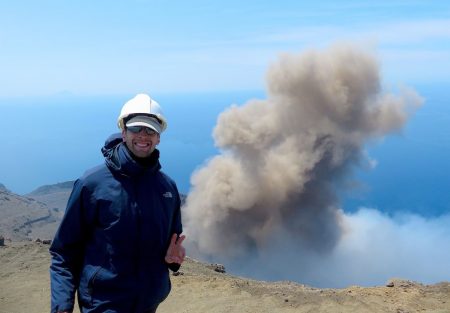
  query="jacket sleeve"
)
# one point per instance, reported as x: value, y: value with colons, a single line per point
x: 67, y: 251
x: 176, y: 228
x: 176, y: 223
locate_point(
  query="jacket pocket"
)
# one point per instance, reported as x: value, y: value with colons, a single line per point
x: 91, y: 281
x: 85, y: 289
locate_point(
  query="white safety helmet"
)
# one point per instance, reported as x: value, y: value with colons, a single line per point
x: 142, y: 104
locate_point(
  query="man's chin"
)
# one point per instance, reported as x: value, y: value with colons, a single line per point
x: 143, y: 154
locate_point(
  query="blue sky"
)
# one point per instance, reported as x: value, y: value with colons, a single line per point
x: 112, y: 47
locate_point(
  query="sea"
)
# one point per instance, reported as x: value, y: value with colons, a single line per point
x: 46, y: 140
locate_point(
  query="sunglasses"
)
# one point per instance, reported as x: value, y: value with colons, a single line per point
x: 137, y: 130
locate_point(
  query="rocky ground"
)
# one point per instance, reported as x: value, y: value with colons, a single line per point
x: 200, y: 287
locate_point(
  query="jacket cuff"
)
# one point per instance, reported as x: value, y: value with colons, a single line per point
x: 173, y: 266
x: 63, y: 308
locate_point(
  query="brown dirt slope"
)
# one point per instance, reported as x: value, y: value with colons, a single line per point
x: 20, y: 215
x: 24, y: 287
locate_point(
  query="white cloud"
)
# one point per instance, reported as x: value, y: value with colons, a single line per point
x: 374, y: 248
x: 406, y: 245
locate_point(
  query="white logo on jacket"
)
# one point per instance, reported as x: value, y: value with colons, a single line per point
x: 167, y: 194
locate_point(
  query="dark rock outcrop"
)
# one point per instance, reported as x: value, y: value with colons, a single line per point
x: 3, y: 188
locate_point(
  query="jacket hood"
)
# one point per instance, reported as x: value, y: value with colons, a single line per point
x: 119, y: 159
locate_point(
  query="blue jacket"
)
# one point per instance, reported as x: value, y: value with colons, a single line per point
x: 112, y: 241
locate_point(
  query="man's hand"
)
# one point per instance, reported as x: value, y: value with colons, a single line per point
x: 175, y: 252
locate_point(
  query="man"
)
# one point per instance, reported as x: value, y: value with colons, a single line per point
x: 121, y: 230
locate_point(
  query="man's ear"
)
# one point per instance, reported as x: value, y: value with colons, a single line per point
x: 123, y: 135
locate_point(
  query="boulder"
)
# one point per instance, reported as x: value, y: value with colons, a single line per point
x: 217, y: 267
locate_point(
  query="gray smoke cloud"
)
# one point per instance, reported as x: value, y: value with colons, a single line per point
x: 283, y: 159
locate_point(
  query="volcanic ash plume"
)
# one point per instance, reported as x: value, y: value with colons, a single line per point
x: 283, y: 159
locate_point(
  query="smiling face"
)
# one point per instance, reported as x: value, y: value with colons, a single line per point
x: 141, y: 144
